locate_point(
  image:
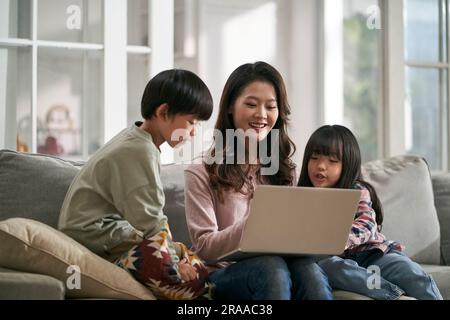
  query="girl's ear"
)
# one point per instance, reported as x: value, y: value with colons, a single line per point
x: 162, y: 111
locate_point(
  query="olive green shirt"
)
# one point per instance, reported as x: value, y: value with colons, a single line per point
x: 117, y: 195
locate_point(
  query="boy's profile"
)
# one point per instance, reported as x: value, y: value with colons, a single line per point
x: 114, y: 205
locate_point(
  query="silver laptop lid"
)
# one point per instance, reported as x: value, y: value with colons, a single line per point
x: 299, y: 220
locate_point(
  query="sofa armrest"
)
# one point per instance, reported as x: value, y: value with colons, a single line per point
x: 17, y: 285
x: 441, y: 189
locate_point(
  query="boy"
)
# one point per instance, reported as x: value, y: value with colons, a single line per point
x: 114, y: 205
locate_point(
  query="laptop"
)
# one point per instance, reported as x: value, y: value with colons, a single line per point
x: 296, y: 221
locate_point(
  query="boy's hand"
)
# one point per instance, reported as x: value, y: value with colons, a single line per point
x: 186, y: 270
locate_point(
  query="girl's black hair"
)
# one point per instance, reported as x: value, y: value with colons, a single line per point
x: 338, y: 141
x: 183, y: 91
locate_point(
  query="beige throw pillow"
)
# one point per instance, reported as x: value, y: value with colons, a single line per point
x: 32, y: 246
x: 403, y: 184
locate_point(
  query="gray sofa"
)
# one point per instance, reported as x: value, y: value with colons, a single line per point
x: 33, y: 187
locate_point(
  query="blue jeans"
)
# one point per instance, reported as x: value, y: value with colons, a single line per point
x: 271, y: 278
x: 398, y: 275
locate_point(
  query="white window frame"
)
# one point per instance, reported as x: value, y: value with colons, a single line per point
x: 115, y: 50
x: 393, y: 78
x: 331, y: 70
x: 391, y: 119
x: 441, y: 66
x: 34, y: 44
x: 394, y: 83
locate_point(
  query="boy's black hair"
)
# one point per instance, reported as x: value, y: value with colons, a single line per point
x: 338, y: 141
x: 183, y: 91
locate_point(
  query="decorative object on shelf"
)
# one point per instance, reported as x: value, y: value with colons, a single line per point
x: 51, y: 146
x: 60, y: 136
x: 21, y: 146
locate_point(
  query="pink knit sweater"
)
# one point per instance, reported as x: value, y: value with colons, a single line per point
x: 215, y: 227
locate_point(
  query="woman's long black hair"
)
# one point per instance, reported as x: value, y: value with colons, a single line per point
x: 225, y: 176
x: 338, y: 141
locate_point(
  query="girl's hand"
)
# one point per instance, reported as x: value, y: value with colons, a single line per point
x: 186, y: 270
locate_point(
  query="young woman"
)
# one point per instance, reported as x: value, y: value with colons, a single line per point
x: 217, y: 193
x: 332, y: 159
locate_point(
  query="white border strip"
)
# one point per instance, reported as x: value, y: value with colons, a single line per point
x: 50, y: 44
x: 34, y: 54
x: 138, y: 50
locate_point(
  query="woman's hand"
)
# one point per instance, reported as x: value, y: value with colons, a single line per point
x: 186, y: 270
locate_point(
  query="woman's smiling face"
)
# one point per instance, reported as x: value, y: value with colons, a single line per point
x: 256, y: 109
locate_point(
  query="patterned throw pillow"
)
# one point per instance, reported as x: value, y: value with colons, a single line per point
x: 151, y: 263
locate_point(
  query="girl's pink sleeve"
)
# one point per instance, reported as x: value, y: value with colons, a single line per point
x: 364, y: 226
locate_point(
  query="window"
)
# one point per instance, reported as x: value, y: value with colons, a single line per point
x: 426, y: 80
x: 352, y: 92
x: 373, y: 67
x: 75, y: 70
x: 58, y: 46
x: 138, y: 56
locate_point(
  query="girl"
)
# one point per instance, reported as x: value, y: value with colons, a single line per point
x: 218, y: 193
x: 332, y: 159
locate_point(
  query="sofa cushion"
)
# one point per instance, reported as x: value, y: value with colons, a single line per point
x: 441, y: 275
x: 403, y: 184
x: 172, y: 177
x: 441, y: 187
x: 33, y: 186
x: 16, y: 285
x: 31, y: 246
